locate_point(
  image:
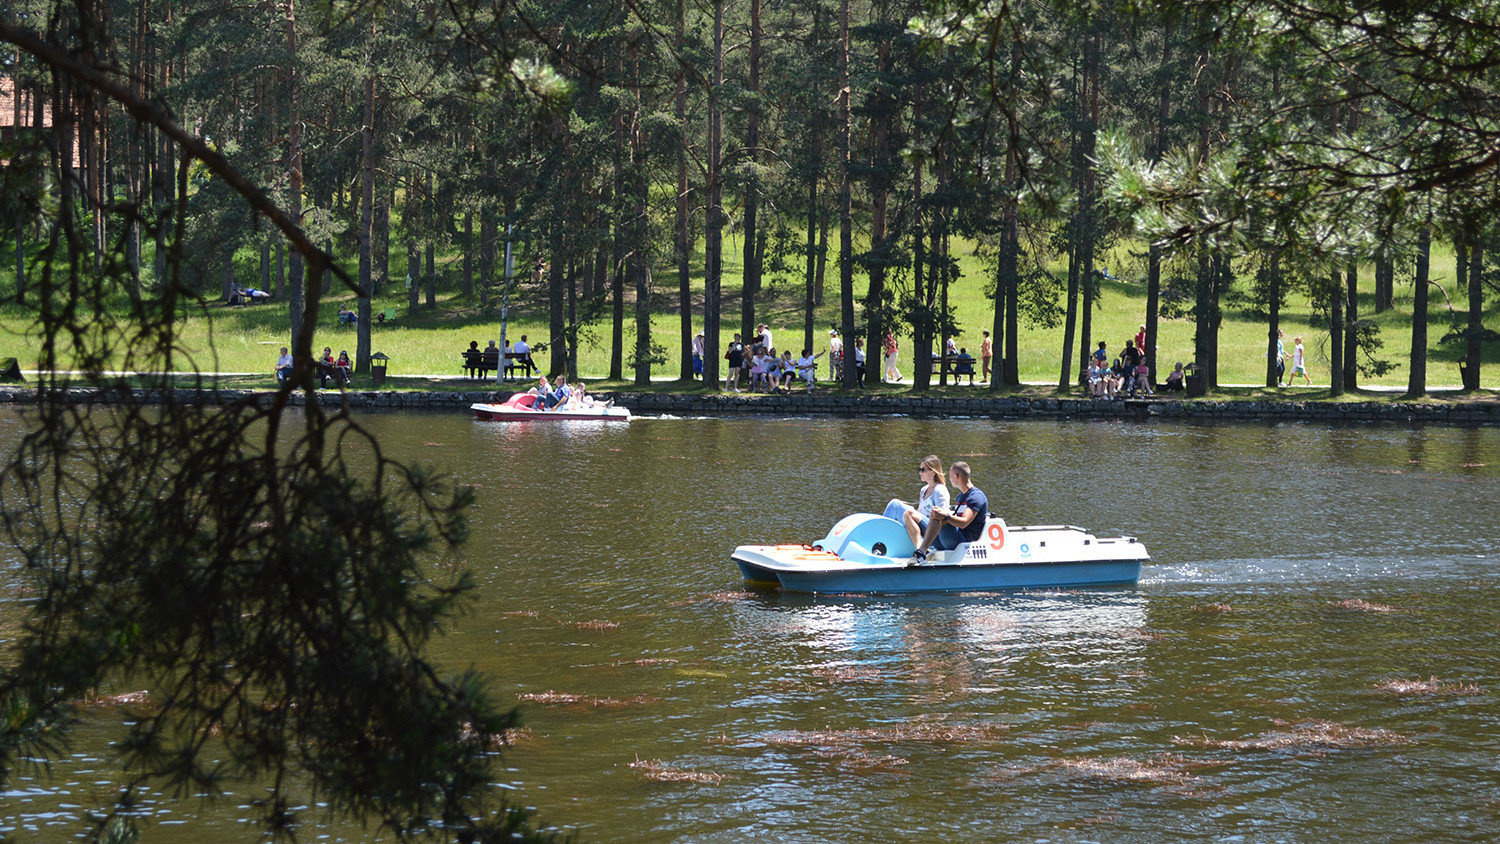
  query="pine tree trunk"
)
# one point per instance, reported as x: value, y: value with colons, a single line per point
x: 295, y: 292
x: 752, y: 185
x: 1336, y: 335
x: 812, y: 281
x: 713, y: 235
x: 1273, y: 326
x: 1416, y: 385
x: 682, y: 242
x: 430, y: 225
x: 1474, y: 335
x: 1351, y: 327
x: 846, y: 194
x: 366, y: 212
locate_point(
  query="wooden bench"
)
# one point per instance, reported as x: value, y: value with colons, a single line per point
x: 479, y: 363
x: 956, y: 365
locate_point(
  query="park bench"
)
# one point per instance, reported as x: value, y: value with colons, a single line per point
x: 955, y: 365
x: 479, y: 363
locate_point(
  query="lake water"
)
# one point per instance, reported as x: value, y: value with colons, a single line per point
x: 1259, y: 684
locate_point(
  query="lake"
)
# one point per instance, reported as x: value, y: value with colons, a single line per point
x: 1309, y: 656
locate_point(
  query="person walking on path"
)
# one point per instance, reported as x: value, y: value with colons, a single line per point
x: 1299, y: 363
x: 986, y: 350
x: 1280, y: 359
x: 892, y: 352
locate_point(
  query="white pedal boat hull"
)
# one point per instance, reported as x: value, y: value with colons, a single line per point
x: 870, y: 553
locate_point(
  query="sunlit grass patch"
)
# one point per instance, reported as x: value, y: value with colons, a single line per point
x: 1431, y: 687
x: 556, y: 698
x: 1314, y: 735
x: 659, y: 771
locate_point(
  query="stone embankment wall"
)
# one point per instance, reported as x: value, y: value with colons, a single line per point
x: 801, y: 404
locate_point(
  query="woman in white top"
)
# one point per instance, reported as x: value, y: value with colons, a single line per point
x: 932, y: 494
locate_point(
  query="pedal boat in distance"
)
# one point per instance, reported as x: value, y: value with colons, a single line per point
x: 871, y: 553
x: 521, y: 407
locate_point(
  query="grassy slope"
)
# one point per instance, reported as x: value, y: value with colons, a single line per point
x: 246, y: 339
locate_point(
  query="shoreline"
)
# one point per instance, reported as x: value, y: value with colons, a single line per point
x: 829, y: 404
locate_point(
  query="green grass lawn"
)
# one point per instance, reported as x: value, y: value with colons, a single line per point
x: 428, y: 343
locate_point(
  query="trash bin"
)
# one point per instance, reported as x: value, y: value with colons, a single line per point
x: 377, y: 369
x: 1197, y: 388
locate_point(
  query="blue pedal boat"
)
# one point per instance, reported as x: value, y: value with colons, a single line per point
x: 867, y: 553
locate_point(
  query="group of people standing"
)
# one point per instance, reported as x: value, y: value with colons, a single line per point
x: 1128, y: 374
x: 760, y: 366
x: 939, y: 519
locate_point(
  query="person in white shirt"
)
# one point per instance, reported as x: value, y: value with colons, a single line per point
x: 284, y: 365
x: 522, y: 351
x: 835, y: 353
x: 807, y: 367
x: 934, y: 493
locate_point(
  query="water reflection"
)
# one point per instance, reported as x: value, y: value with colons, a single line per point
x: 1296, y: 569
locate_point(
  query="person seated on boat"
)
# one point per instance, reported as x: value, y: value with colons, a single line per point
x: 964, y: 522
x: 559, y: 395
x: 539, y: 392
x: 932, y: 494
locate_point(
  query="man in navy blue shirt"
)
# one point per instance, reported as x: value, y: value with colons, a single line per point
x: 964, y: 522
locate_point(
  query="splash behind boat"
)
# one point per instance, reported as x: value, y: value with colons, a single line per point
x: 869, y: 553
x: 522, y: 407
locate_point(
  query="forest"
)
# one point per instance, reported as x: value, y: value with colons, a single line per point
x: 1242, y: 149
x: 274, y: 578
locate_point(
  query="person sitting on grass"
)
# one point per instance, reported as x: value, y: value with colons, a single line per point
x: 345, y: 368
x: 284, y: 366
x: 1174, y: 379
x: 807, y: 367
x: 788, y: 370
